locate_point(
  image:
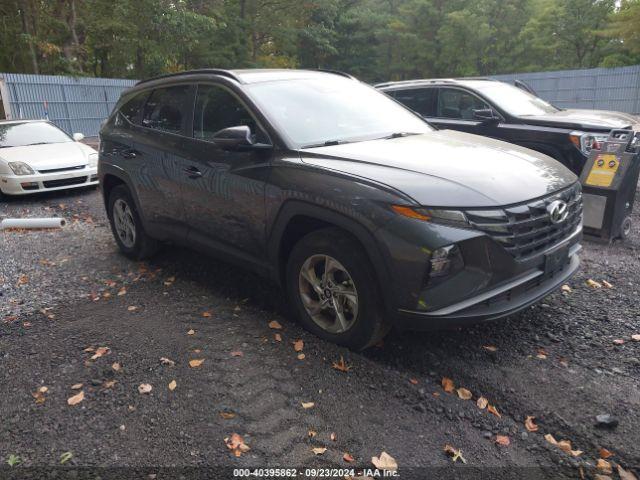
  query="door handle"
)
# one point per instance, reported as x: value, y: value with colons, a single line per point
x: 192, y: 172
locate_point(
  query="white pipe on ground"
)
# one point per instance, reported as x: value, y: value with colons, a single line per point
x: 8, y: 223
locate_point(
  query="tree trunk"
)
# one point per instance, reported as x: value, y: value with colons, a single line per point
x: 26, y: 29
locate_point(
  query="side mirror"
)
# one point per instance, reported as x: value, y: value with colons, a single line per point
x: 485, y: 115
x: 78, y: 136
x: 237, y: 138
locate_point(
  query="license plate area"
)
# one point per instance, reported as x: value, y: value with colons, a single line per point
x: 556, y: 259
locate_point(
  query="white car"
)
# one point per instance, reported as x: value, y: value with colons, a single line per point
x: 36, y: 156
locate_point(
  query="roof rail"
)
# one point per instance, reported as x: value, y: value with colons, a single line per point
x: 336, y: 72
x: 416, y: 81
x: 216, y: 71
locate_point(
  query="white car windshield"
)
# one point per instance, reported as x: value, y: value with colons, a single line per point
x: 30, y: 133
x: 331, y: 109
x: 514, y: 100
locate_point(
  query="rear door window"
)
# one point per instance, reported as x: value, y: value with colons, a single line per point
x: 132, y: 109
x: 420, y: 100
x: 216, y: 109
x: 455, y: 103
x: 167, y: 109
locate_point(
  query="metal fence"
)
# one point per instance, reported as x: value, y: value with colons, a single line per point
x: 597, y: 88
x: 73, y: 104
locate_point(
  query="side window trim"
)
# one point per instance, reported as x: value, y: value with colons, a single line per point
x: 473, y: 94
x: 236, y: 97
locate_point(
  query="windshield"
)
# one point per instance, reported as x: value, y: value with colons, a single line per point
x: 514, y: 100
x: 30, y: 133
x: 332, y: 109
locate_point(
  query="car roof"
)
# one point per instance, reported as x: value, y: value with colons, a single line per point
x: 470, y: 82
x: 247, y: 76
x: 19, y: 120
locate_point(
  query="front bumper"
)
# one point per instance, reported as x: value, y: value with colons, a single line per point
x: 501, y: 301
x: 46, y: 182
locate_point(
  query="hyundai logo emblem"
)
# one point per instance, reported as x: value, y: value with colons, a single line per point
x: 558, y: 211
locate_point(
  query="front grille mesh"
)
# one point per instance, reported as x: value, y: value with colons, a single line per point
x: 526, y: 229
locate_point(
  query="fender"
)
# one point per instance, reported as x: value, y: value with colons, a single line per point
x: 115, y: 171
x: 293, y: 208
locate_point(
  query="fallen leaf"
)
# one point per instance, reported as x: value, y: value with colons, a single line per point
x: 277, y: 337
x: 22, y: 280
x: 206, y: 314
x: 447, y: 384
x: 76, y: 386
x: 122, y: 291
x: 625, y: 474
x: 333, y: 436
x: 312, y: 433
x: 65, y: 457
x: 172, y: 385
x: 530, y: 425
x: 464, y: 394
x: 109, y: 383
x: 455, y: 454
x: 39, y: 395
x: 604, y: 453
x: 564, y: 445
x: 566, y: 288
x: 100, y: 352
x: 166, y: 361
x: 593, y: 284
x: 341, y: 365
x: 236, y: 444
x: 144, y: 388
x: 301, y: 356
x: 88, y: 349
x: 116, y: 366
x: 298, y: 345
x: 604, y: 466
x: 413, y: 381
x: 490, y: 348
x: 618, y: 341
x: 275, y: 325
x: 307, y: 405
x: 237, y: 353
x: 597, y: 476
x: 347, y: 458
x: 542, y: 353
x: 132, y: 308
x: 607, y: 284
x: 482, y: 403
x: 227, y: 415
x: 635, y: 337
x: 503, y: 440
x: 492, y: 409
x: 319, y: 450
x: 385, y: 462
x: 76, y: 399
x: 191, y: 332
x: 195, y: 363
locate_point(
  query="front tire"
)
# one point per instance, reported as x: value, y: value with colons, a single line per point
x: 333, y: 290
x: 126, y: 225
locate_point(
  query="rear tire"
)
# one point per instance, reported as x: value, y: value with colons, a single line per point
x: 328, y: 272
x: 126, y: 226
x: 625, y: 228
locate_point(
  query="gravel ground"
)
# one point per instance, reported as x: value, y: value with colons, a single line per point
x: 67, y: 291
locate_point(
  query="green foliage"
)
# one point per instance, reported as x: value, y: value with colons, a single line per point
x: 372, y: 39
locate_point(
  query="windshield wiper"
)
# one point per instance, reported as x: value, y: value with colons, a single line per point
x: 328, y: 143
x: 398, y: 135
x: 36, y: 143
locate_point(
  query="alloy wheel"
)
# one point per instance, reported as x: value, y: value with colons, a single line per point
x: 124, y: 223
x: 328, y: 293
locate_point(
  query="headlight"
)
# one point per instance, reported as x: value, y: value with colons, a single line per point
x: 454, y: 218
x: 93, y: 159
x: 586, y: 142
x: 21, y: 168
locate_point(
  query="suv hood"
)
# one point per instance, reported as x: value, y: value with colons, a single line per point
x: 445, y: 168
x: 586, y: 119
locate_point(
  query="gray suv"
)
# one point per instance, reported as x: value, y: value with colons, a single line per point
x: 366, y: 215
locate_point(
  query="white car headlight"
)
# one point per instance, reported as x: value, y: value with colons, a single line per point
x: 21, y: 168
x: 587, y: 141
x: 93, y: 159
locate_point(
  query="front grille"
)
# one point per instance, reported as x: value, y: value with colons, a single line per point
x: 65, y: 182
x: 526, y: 229
x: 65, y: 169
